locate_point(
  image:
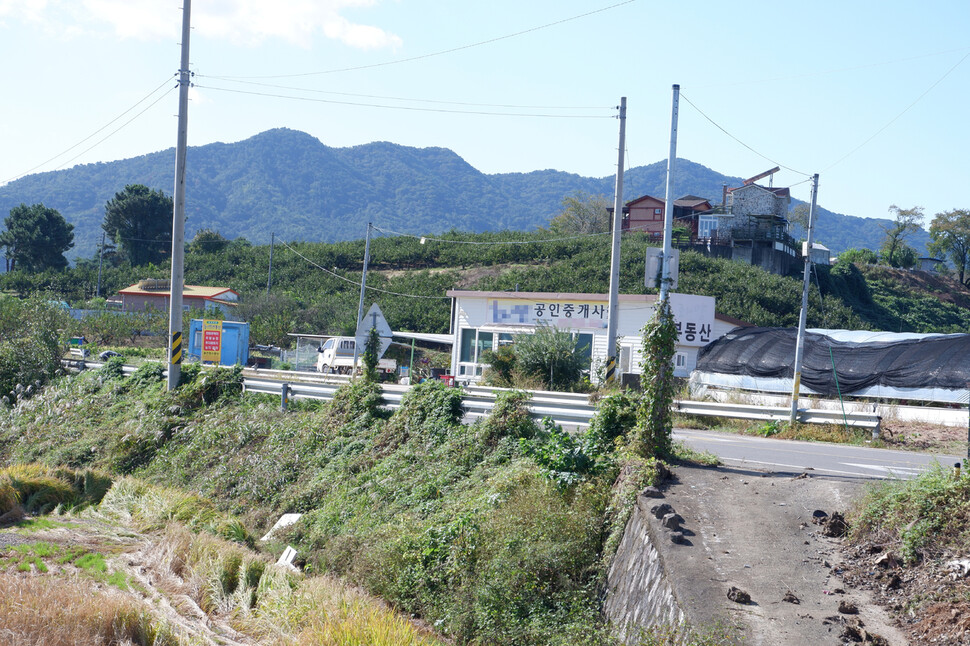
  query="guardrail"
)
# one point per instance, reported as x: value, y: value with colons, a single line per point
x: 565, y: 409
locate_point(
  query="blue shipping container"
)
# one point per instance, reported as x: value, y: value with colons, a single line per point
x: 235, y: 342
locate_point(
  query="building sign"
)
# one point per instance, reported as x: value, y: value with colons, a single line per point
x: 561, y: 314
x: 694, y: 317
x: 211, y: 340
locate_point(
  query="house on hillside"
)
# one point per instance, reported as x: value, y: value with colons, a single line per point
x: 646, y: 214
x: 756, y: 220
x: 152, y: 293
x: 750, y: 224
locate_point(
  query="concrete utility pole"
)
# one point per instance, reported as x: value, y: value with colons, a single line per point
x: 802, y: 317
x: 178, y: 218
x: 614, y: 309
x: 665, y: 278
x: 97, y: 292
x: 363, y: 288
x: 269, y: 281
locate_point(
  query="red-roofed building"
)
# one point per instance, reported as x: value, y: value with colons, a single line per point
x: 155, y: 294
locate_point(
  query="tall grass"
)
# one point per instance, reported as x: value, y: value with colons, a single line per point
x: 35, y: 488
x: 273, y: 605
x: 58, y: 612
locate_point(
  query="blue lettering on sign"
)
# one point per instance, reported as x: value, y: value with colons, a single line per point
x: 516, y: 314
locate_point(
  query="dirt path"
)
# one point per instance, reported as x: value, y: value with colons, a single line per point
x: 755, y: 531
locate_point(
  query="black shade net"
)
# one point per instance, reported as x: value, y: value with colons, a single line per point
x: 932, y: 362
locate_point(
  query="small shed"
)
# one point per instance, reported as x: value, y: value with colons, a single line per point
x: 931, y: 264
x: 233, y: 342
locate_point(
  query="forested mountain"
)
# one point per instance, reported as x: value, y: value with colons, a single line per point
x: 288, y: 182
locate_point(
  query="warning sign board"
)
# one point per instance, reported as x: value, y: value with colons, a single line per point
x: 211, y: 340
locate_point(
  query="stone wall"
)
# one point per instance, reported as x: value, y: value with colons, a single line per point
x: 756, y: 200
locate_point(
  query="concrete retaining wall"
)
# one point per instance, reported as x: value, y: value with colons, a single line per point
x: 638, y: 593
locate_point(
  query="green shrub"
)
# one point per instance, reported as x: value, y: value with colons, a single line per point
x: 551, y: 355
x: 925, y: 516
x: 510, y: 416
x: 502, y: 365
x: 568, y: 459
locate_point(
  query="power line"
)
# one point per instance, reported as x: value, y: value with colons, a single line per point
x: 738, y: 140
x: 116, y: 130
x: 399, y: 98
x: 61, y: 154
x: 404, y: 107
x: 354, y: 282
x: 898, y: 116
x: 476, y: 242
x: 442, y: 52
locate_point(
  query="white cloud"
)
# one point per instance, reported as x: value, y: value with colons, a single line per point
x: 243, y: 22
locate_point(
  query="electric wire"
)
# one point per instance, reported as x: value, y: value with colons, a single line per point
x: 402, y: 107
x: 354, y: 282
x: 96, y: 132
x: 441, y: 52
x: 401, y: 98
x: 116, y: 130
x: 719, y: 127
x: 476, y: 242
x: 898, y: 116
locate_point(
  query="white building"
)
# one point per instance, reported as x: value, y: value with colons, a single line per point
x: 485, y: 320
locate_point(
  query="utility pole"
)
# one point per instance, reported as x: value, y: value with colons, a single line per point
x: 363, y: 288
x: 802, y: 317
x: 97, y: 292
x: 269, y: 281
x: 665, y: 279
x: 178, y: 218
x: 614, y: 308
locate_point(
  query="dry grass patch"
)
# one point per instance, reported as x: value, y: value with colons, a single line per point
x: 46, y: 611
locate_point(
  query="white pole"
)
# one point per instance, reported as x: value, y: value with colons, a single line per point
x: 363, y: 288
x: 802, y: 317
x: 178, y: 218
x: 614, y: 310
x: 665, y: 279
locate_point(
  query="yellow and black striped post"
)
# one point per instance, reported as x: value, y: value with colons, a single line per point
x: 610, y: 369
x: 176, y: 354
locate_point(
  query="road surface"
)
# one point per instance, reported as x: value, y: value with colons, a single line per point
x: 794, y: 456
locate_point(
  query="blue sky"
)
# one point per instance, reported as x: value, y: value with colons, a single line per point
x: 802, y: 84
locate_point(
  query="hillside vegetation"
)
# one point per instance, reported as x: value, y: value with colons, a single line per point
x: 288, y: 182
x: 496, y: 533
x: 315, y: 286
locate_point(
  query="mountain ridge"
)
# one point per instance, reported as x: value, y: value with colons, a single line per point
x: 290, y: 183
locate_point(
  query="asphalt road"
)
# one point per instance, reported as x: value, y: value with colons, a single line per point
x: 791, y: 456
